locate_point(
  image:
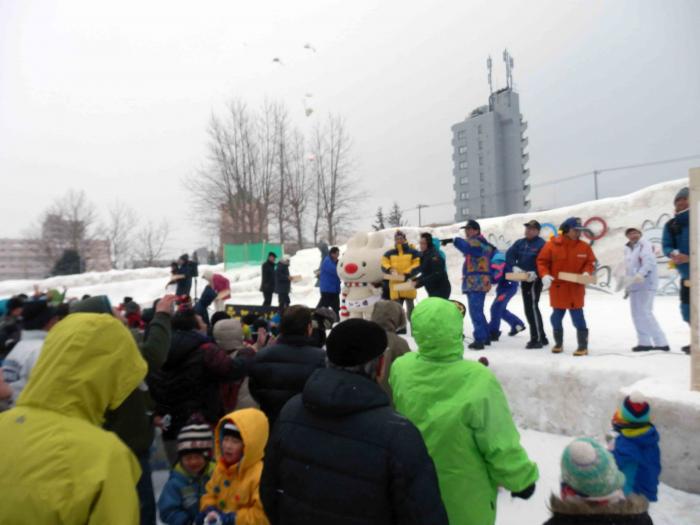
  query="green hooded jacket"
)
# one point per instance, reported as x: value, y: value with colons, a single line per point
x: 462, y: 413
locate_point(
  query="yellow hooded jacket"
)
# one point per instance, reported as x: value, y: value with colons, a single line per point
x: 56, y: 464
x: 237, y: 488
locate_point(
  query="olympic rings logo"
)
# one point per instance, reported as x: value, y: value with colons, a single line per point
x: 596, y: 229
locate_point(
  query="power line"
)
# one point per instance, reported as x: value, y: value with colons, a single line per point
x: 618, y: 168
x: 594, y: 172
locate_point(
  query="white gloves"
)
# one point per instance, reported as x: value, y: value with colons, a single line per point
x: 531, y: 277
x: 517, y: 269
x: 586, y: 274
x: 547, y: 281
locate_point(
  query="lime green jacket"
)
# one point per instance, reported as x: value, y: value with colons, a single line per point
x: 463, y: 415
x: 56, y: 464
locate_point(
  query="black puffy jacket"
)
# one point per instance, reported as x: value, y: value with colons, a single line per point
x: 280, y: 371
x: 189, y: 380
x: 339, y: 454
x: 433, y: 274
x: 268, y: 277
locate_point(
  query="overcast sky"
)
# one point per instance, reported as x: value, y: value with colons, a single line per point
x: 114, y: 97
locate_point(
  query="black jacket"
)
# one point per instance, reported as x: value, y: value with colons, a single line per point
x: 131, y: 420
x: 189, y: 380
x: 280, y: 371
x: 433, y: 274
x: 282, y: 282
x: 268, y: 277
x: 339, y: 454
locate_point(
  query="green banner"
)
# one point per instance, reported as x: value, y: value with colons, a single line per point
x: 236, y: 255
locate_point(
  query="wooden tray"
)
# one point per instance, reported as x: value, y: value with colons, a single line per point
x: 295, y: 278
x: 578, y: 278
x: 519, y: 276
x: 405, y: 287
x: 394, y: 277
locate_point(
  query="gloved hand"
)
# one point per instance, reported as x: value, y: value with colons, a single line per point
x: 518, y: 269
x: 531, y: 277
x: 445, y: 242
x: 524, y: 494
x: 586, y: 274
x: 547, y: 281
x: 638, y: 279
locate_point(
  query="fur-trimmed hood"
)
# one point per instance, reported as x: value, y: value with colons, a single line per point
x: 633, y: 505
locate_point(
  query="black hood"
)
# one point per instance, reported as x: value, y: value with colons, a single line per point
x: 183, y: 342
x: 334, y: 392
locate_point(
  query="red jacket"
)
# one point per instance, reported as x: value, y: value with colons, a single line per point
x: 561, y: 254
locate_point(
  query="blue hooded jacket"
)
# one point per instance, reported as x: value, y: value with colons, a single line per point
x: 329, y: 282
x: 639, y: 459
x: 677, y: 237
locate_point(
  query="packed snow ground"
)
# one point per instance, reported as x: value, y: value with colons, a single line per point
x: 674, y: 507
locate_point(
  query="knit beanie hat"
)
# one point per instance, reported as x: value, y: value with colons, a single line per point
x: 590, y: 470
x: 36, y: 314
x: 195, y: 437
x: 230, y: 429
x: 635, y: 410
x: 131, y: 307
x: 683, y: 193
x: 228, y: 334
x: 355, y: 342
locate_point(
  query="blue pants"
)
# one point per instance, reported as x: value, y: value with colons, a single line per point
x: 476, y: 314
x: 576, y: 317
x: 144, y: 487
x: 499, y: 309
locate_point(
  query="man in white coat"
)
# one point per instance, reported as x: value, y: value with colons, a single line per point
x: 641, y: 282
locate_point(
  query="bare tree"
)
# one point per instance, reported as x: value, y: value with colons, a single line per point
x: 236, y: 186
x: 119, y: 231
x: 298, y: 185
x: 151, y: 240
x: 338, y: 192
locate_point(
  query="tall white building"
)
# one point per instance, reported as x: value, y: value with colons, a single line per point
x: 489, y: 156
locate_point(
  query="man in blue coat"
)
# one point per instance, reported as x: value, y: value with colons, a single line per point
x: 676, y: 247
x: 329, y: 282
x: 522, y: 257
x: 476, y: 278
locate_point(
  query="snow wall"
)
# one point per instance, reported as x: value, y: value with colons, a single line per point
x: 556, y: 394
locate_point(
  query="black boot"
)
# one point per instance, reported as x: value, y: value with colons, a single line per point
x: 686, y: 349
x: 582, y: 337
x: 495, y: 336
x: 558, y: 347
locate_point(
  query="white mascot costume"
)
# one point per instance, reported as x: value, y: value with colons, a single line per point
x: 360, y: 270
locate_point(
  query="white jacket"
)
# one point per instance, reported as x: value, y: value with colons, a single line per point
x: 20, y: 361
x: 640, y: 259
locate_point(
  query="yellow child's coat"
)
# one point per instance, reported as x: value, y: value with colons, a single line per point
x: 237, y: 488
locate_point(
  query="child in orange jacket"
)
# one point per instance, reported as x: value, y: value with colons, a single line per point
x: 233, y: 492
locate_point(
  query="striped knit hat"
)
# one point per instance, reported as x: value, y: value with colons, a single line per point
x: 195, y: 437
x: 229, y: 429
x: 635, y: 410
x: 590, y: 470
